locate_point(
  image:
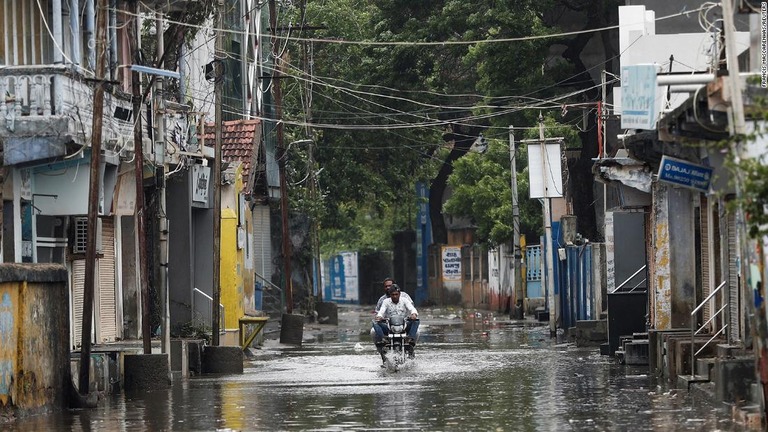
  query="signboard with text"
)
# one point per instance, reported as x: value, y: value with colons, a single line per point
x: 638, y: 97
x: 683, y: 173
x: 451, y: 263
x: 545, y: 172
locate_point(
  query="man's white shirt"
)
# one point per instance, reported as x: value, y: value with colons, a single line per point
x: 403, y: 295
x: 403, y: 307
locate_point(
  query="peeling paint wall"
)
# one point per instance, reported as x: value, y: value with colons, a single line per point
x: 661, y: 290
x: 673, y: 273
x: 682, y: 263
x: 34, y: 338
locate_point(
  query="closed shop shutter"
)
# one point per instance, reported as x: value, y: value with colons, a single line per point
x: 78, y: 282
x: 262, y: 244
x: 733, y: 279
x: 705, y: 273
x: 106, y: 331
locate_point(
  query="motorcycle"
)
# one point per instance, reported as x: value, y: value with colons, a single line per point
x: 396, y: 351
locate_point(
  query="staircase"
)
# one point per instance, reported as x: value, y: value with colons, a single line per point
x: 272, y: 301
x: 634, y: 350
x: 269, y: 297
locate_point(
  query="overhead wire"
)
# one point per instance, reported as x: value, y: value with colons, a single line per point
x: 423, y: 43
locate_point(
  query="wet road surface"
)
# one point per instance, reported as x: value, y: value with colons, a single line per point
x: 470, y: 374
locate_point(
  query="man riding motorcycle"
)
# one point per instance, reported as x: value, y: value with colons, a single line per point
x: 388, y: 284
x: 396, y: 306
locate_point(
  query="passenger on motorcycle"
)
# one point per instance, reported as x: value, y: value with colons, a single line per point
x: 388, y: 284
x: 396, y: 306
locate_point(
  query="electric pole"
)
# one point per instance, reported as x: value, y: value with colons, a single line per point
x: 281, y: 159
x: 93, y: 197
x: 517, y: 285
x: 161, y: 260
x: 738, y: 122
x: 216, y: 177
x: 548, y: 259
x: 139, y: 215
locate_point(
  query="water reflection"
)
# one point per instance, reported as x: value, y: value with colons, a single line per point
x: 476, y: 374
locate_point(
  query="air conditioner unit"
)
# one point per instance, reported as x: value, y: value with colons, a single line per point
x: 112, y: 144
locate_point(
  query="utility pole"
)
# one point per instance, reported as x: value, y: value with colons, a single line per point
x: 216, y: 177
x: 738, y: 123
x: 93, y: 198
x: 550, y: 273
x: 139, y: 215
x: 517, y: 285
x: 315, y: 234
x: 161, y: 260
x: 281, y: 159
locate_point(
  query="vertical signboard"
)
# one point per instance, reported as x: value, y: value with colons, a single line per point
x: 342, y: 282
x: 545, y: 173
x: 451, y: 263
x: 638, y: 97
x: 610, y: 263
x: 423, y: 238
x: 200, y: 176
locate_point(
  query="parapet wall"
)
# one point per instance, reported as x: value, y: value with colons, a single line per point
x: 34, y: 339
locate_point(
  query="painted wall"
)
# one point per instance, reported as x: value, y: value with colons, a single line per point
x: 230, y: 273
x: 34, y: 338
x: 341, y: 281
x: 673, y: 271
x: 236, y: 273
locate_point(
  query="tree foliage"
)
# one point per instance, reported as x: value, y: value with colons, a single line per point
x: 396, y: 113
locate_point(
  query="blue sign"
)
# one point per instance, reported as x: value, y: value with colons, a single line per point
x: 638, y: 97
x: 683, y: 173
x: 423, y: 239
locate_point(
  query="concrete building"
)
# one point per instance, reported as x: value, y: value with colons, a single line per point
x: 46, y: 71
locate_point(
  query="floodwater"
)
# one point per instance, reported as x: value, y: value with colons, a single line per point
x: 470, y: 374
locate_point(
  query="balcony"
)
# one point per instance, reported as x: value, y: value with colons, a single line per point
x: 47, y: 112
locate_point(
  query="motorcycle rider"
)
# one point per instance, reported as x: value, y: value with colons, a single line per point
x: 393, y: 306
x: 388, y: 284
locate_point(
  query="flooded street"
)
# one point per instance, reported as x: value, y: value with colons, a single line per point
x: 469, y: 374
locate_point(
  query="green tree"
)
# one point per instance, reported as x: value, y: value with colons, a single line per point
x: 393, y: 114
x: 481, y: 188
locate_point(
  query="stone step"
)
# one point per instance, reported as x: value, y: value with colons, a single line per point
x: 729, y: 351
x: 605, y: 349
x: 704, y: 366
x: 685, y: 381
x: 636, y: 352
x: 542, y: 316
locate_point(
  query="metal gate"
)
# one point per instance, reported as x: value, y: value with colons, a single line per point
x: 577, y: 296
x: 533, y: 271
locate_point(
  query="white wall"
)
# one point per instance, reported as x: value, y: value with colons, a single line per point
x: 69, y: 182
x: 639, y: 44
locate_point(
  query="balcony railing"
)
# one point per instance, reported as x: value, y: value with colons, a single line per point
x: 56, y: 90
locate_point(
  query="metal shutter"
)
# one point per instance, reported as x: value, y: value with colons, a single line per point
x: 733, y: 279
x: 106, y: 331
x: 262, y: 244
x: 706, y: 286
x: 76, y: 295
